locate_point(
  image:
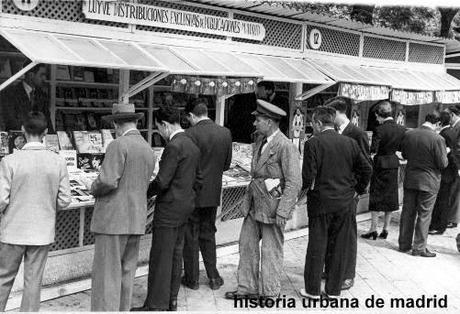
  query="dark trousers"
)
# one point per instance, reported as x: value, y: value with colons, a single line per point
x: 165, y: 266
x: 114, y: 268
x: 442, y: 206
x: 454, y: 208
x: 35, y: 257
x: 328, y: 231
x: 415, y: 216
x: 200, y: 235
x: 352, y: 250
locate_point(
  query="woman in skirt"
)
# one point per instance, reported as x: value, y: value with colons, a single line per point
x: 383, y: 196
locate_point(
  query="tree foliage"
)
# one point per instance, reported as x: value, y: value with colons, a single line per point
x: 422, y: 20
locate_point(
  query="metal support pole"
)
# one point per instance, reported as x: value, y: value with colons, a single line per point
x: 220, y: 110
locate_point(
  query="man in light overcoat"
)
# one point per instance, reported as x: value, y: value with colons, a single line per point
x: 270, y: 200
x: 120, y: 212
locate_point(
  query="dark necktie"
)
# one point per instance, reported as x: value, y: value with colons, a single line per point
x: 262, y: 145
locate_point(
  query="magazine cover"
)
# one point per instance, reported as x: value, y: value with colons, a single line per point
x: 16, y: 140
x: 4, y: 148
x: 64, y: 140
x: 88, y: 142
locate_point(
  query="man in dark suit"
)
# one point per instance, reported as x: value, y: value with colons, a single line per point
x: 215, y: 144
x: 334, y: 172
x: 448, y: 194
x: 266, y: 91
x: 426, y: 156
x: 28, y: 95
x: 120, y: 212
x: 342, y: 105
x: 176, y: 185
x: 454, y: 213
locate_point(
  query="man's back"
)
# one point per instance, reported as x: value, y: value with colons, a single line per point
x: 215, y: 144
x: 387, y: 138
x: 120, y: 190
x: 426, y: 156
x: 176, y: 182
x: 334, y: 163
x: 38, y: 184
x: 360, y: 137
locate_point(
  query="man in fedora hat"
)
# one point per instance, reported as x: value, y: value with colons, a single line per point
x: 120, y: 211
x: 268, y: 204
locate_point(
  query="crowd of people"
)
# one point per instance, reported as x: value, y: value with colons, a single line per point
x: 338, y: 165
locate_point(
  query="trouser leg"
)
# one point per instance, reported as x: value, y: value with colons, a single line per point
x: 340, y: 227
x: 191, y: 247
x: 407, y: 222
x: 425, y: 205
x: 177, y: 263
x: 34, y: 265
x: 161, y: 267
x: 10, y: 260
x: 352, y: 243
x: 441, y: 207
x: 128, y: 271
x: 106, y: 275
x: 271, y: 259
x: 207, y: 240
x: 316, y: 252
x: 248, y: 266
x: 454, y: 208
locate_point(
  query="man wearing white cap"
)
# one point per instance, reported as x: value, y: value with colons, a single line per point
x: 268, y: 204
x: 120, y: 212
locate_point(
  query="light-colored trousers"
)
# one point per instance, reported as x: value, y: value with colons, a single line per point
x: 34, y: 264
x: 114, y: 267
x: 270, y: 256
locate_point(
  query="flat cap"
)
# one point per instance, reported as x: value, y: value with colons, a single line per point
x: 264, y: 108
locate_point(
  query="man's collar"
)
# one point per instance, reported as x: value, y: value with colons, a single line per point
x: 328, y: 128
x: 271, y: 137
x: 27, y: 88
x: 203, y: 120
x: 429, y: 126
x: 444, y: 127
x: 387, y: 119
x: 455, y: 123
x: 344, y: 125
x: 128, y: 130
x: 34, y: 145
x: 175, y: 133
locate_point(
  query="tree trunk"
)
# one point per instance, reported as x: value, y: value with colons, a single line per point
x: 447, y: 15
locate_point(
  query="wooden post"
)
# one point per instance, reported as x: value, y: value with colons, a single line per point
x: 295, y: 89
x: 53, y: 95
x: 220, y: 110
x: 123, y: 87
x: 150, y: 115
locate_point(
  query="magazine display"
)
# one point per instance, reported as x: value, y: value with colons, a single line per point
x: 240, y: 168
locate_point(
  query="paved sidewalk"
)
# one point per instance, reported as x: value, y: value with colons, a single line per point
x: 382, y: 271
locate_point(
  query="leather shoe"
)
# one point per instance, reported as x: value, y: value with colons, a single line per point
x: 435, y: 232
x: 404, y: 250
x: 232, y: 295
x: 216, y: 283
x: 347, y: 284
x: 146, y: 309
x: 425, y: 253
x: 451, y: 225
x: 191, y: 285
x: 173, y: 305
